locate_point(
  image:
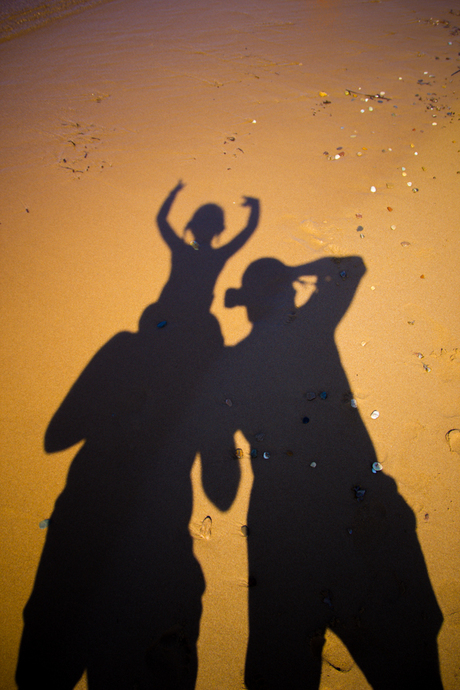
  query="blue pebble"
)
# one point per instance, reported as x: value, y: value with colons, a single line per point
x: 161, y: 324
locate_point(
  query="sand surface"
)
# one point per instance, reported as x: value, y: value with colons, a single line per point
x: 102, y: 112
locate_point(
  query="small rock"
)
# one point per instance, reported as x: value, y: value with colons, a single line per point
x: 359, y: 493
x: 375, y: 414
x: 376, y: 467
x: 44, y: 523
x: 245, y: 531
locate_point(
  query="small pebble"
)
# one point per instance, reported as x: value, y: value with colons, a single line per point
x: 310, y: 395
x: 343, y: 274
x: 392, y: 227
x: 359, y: 493
x: 266, y: 455
x: 415, y: 189
x: 254, y: 453
x: 426, y: 367
x: 195, y: 245
x: 373, y: 189
x: 313, y: 464
x: 44, y: 523
x: 245, y: 531
x: 239, y: 453
x: 323, y: 395
x: 375, y: 414
x: 228, y: 402
x: 405, y: 244
x: 305, y: 420
x: 353, y: 403
x: 376, y: 467
x: 259, y: 437
x: 161, y: 324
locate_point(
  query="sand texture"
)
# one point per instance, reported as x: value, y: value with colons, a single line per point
x: 189, y: 430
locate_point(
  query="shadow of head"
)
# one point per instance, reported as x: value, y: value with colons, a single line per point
x: 268, y: 284
x: 207, y: 223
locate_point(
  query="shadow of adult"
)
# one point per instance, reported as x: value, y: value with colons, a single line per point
x: 118, y: 589
x: 331, y: 543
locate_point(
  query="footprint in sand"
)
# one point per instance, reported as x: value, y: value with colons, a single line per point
x: 453, y: 439
x: 205, y: 529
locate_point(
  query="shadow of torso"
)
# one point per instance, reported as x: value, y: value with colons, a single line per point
x: 321, y: 553
x: 118, y: 590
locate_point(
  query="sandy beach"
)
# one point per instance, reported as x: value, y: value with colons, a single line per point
x: 189, y: 433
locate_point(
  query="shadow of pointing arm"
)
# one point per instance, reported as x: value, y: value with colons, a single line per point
x: 93, y: 399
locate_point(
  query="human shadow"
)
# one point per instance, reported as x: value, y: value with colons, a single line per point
x: 331, y: 544
x: 118, y: 589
